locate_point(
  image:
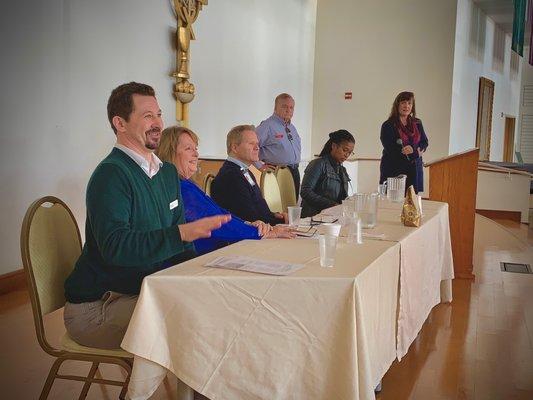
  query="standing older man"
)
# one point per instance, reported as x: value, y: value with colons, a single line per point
x: 279, y: 142
x: 235, y: 188
x: 135, y: 223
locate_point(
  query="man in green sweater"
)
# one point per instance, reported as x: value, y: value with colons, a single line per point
x: 135, y: 223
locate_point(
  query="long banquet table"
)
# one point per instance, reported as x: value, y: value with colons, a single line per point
x: 320, y: 333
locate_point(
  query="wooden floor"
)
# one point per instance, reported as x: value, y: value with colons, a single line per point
x: 478, y: 347
x: 481, y: 345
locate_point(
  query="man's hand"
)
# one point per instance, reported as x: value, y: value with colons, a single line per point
x: 262, y: 227
x: 420, y: 151
x: 284, y: 232
x: 267, y: 167
x: 202, y: 228
x: 407, y: 150
x: 284, y: 216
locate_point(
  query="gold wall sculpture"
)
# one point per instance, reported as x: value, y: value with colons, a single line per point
x: 186, y: 13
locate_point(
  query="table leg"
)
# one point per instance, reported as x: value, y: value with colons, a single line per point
x: 446, y: 291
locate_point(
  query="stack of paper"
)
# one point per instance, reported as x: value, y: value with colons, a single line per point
x: 250, y: 264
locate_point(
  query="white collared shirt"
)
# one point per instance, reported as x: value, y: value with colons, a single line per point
x: 244, y: 168
x: 150, y: 169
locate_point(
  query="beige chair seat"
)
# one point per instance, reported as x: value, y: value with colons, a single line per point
x: 270, y: 191
x: 70, y: 345
x: 289, y: 197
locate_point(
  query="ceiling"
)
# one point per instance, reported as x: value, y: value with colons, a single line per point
x: 500, y: 11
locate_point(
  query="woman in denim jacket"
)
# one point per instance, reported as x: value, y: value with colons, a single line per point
x: 325, y: 182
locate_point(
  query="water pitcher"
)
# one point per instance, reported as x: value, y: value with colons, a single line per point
x: 396, y: 188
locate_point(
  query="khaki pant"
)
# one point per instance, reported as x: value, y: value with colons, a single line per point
x: 101, y: 323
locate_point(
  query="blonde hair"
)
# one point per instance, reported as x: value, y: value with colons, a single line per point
x: 235, y: 135
x: 169, y: 141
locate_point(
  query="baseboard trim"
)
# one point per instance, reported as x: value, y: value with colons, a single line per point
x: 501, y: 214
x: 12, y: 281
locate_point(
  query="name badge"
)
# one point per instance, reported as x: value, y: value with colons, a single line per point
x: 174, y: 204
x: 249, y: 178
x: 278, y: 135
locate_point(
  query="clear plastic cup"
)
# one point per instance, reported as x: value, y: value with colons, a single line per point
x: 348, y: 207
x: 382, y: 190
x: 330, y: 229
x: 294, y: 216
x: 353, y: 229
x: 366, y: 207
x: 327, y: 245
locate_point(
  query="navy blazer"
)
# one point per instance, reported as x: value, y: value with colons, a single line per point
x: 231, y: 190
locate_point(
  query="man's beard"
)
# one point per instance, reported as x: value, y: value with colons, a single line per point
x: 151, y: 143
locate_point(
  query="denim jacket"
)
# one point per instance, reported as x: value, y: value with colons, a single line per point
x: 324, y: 185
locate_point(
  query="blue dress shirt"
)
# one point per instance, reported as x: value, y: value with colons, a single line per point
x: 279, y: 142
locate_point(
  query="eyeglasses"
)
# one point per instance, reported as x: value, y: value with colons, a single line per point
x: 348, y: 152
x: 315, y: 222
x: 288, y: 132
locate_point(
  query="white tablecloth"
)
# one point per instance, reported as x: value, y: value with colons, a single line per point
x: 320, y: 333
x: 426, y: 261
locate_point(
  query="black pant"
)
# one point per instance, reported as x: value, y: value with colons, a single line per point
x: 296, y: 177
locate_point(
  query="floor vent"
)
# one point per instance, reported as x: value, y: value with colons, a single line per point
x: 515, y: 267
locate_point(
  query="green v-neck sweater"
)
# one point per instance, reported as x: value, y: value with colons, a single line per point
x: 131, y: 229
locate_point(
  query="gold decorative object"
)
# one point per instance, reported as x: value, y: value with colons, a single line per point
x: 411, y: 214
x: 186, y: 13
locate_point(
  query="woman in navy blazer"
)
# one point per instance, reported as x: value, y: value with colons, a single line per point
x: 404, y: 141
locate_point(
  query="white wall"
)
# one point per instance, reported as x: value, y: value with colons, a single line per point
x: 367, y: 175
x: 61, y: 59
x: 246, y: 53
x: 500, y: 191
x: 481, y: 49
x: 376, y: 49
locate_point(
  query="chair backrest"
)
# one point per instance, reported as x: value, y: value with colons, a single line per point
x: 50, y: 244
x: 270, y: 190
x: 286, y: 187
x: 208, y: 180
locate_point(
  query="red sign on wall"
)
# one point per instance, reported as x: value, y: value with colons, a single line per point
x: 347, y: 95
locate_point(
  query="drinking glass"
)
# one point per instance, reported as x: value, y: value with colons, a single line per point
x: 330, y: 229
x: 366, y: 207
x: 353, y: 229
x: 382, y: 190
x: 327, y: 245
x: 348, y: 208
x: 294, y: 216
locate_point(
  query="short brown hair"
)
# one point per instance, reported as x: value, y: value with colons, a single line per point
x: 169, y: 140
x: 120, y: 101
x: 282, y: 96
x: 235, y: 135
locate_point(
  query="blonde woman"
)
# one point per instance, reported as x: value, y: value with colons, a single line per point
x: 179, y: 146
